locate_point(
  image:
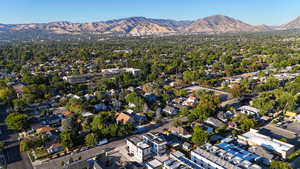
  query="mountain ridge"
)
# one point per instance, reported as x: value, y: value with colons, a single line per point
x: 139, y: 26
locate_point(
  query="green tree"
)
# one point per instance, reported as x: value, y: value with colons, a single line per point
x: 247, y: 123
x: 6, y: 95
x: 199, y: 136
x: 91, y: 139
x: 67, y: 138
x: 101, y: 120
x: 75, y: 105
x: 16, y: 121
x: 137, y: 100
x: 24, y: 145
x: 279, y: 165
x: 207, y: 106
x: 189, y: 76
x: 2, y: 146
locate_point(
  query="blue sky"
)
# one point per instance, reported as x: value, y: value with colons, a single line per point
x: 271, y: 12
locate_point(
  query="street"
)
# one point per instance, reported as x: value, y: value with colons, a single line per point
x: 14, y: 158
x: 56, y: 163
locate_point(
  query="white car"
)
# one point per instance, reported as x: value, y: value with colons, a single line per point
x: 101, y: 142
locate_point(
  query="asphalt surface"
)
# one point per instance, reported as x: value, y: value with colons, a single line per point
x: 88, y: 154
x: 14, y: 158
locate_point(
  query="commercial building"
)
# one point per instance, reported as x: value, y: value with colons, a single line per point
x: 75, y: 79
x: 254, y: 138
x: 223, y: 156
x: 179, y: 161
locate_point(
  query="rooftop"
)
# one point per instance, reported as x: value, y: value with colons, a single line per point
x: 266, y: 141
x: 135, y: 140
x: 213, y: 156
x: 228, y: 156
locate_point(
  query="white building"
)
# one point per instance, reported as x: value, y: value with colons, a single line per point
x: 254, y: 138
x: 179, y: 161
x: 157, y: 143
x: 250, y: 111
x: 223, y: 156
x: 139, y: 149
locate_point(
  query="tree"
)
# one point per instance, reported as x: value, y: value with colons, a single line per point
x: 6, y: 95
x: 207, y: 106
x: 244, y: 122
x: 2, y: 146
x: 101, y: 120
x: 24, y: 145
x: 189, y: 76
x: 70, y: 124
x: 138, y: 101
x: 66, y: 138
x: 279, y: 165
x: 199, y: 136
x: 236, y: 91
x: 75, y: 105
x: 91, y: 139
x: 247, y: 123
x: 16, y: 121
x: 18, y: 104
x: 176, y: 123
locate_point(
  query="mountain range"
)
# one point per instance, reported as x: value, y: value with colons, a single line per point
x: 147, y: 26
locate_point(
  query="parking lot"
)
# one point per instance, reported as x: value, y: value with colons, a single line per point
x: 279, y: 133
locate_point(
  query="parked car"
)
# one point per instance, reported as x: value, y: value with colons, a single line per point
x: 102, y: 142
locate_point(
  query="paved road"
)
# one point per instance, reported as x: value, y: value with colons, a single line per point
x: 14, y: 159
x: 56, y: 163
x: 215, y: 90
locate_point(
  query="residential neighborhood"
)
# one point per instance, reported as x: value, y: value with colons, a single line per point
x: 184, y: 101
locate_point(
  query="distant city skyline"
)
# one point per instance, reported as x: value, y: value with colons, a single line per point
x: 255, y: 12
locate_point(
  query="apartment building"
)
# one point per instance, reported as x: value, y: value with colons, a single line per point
x: 157, y: 142
x: 138, y: 148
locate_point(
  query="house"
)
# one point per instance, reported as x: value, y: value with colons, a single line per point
x: 215, y: 123
x: 225, y: 116
x: 53, y: 120
x: 150, y: 97
x: 170, y: 110
x: 190, y: 101
x: 177, y: 100
x: 54, y: 148
x: 137, y: 119
x: 158, y: 144
x: 250, y: 111
x: 125, y: 118
x: 181, y: 131
x: 18, y: 89
x: 138, y: 148
x: 100, y: 107
x: 44, y: 129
